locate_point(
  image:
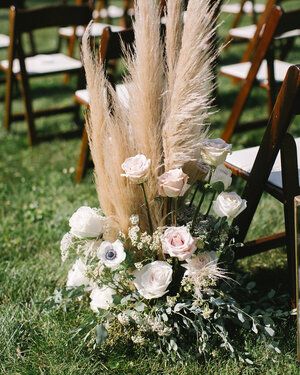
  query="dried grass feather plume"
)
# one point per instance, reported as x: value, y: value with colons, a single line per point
x: 146, y: 87
x: 190, y: 101
x: 174, y: 28
x: 109, y: 141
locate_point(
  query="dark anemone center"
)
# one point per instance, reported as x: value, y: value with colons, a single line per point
x: 110, y: 254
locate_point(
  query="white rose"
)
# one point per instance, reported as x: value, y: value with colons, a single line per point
x: 77, y: 275
x: 153, y: 279
x: 136, y: 168
x: 173, y: 183
x: 101, y: 298
x: 222, y: 174
x: 86, y: 222
x: 111, y: 254
x: 178, y: 242
x: 215, y: 151
x: 229, y: 205
x: 195, y: 264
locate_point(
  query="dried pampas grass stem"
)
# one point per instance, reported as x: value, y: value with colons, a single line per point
x: 190, y: 97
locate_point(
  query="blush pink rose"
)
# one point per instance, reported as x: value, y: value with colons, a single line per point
x: 173, y: 183
x: 178, y: 242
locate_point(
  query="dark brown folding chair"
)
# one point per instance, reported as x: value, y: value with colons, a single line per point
x: 111, y: 49
x: 250, y: 33
x: 244, y: 7
x: 272, y: 167
x: 262, y: 69
x: 22, y: 68
x: 103, y: 15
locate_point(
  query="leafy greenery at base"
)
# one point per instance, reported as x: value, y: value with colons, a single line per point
x: 38, y: 194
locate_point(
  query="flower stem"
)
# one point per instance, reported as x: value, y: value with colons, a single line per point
x: 197, y: 211
x: 175, y: 212
x: 200, y: 204
x: 211, y: 202
x: 148, y: 209
x: 195, y: 193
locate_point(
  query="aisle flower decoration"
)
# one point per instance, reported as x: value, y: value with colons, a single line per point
x: 153, y: 263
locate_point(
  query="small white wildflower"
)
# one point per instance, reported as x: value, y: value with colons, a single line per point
x: 206, y: 313
x: 134, y: 219
x: 138, y: 339
x: 123, y: 319
x: 138, y: 265
x: 171, y: 301
x: 140, y: 246
x: 135, y: 316
x: 133, y: 233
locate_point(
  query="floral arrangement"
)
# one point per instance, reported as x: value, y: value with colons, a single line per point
x: 153, y: 261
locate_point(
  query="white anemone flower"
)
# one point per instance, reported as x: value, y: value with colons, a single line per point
x: 111, y: 254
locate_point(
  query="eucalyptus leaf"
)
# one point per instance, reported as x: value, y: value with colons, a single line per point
x: 101, y: 334
x: 254, y: 328
x: 270, y: 331
x: 241, y: 317
x: 251, y: 285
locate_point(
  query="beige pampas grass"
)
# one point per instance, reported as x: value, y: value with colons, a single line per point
x: 110, y: 143
x: 174, y: 28
x: 168, y: 105
x: 146, y: 87
x: 190, y: 95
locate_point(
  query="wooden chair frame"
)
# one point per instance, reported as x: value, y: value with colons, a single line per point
x: 238, y: 17
x: 261, y: 49
x: 110, y: 49
x: 275, y: 139
x: 25, y: 21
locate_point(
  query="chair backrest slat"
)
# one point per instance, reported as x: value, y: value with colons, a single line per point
x: 52, y: 16
x: 8, y: 3
x: 289, y: 21
x: 113, y: 43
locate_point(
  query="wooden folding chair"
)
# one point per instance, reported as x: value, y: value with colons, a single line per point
x: 263, y: 69
x: 249, y: 33
x: 244, y: 7
x: 273, y: 168
x: 22, y: 68
x: 100, y: 14
x: 111, y: 48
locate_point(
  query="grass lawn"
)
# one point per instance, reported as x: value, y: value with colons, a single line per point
x: 38, y: 195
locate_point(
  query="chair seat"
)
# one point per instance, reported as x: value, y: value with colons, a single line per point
x: 83, y: 96
x: 247, y: 32
x: 241, y: 70
x: 244, y: 32
x: 44, y: 64
x: 112, y: 11
x: 4, y: 41
x: 96, y: 30
x: 247, y: 8
x: 244, y: 160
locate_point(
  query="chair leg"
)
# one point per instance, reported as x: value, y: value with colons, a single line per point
x: 8, y: 100
x: 29, y: 116
x: 291, y: 189
x: 83, y: 158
